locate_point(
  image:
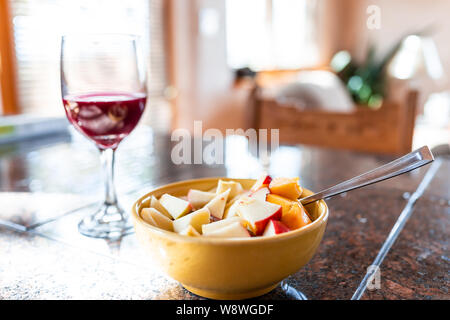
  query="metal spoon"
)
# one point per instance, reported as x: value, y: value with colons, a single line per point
x: 408, y: 162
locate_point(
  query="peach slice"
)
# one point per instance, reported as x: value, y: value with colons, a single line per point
x: 294, y: 216
x: 286, y: 187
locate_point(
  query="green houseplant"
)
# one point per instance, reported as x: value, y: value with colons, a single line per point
x: 366, y: 81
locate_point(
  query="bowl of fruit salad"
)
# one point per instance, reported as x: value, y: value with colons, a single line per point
x: 227, y: 238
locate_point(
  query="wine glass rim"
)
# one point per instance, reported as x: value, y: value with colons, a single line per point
x: 99, y: 35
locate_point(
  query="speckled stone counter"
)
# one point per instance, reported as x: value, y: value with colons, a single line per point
x: 48, y: 185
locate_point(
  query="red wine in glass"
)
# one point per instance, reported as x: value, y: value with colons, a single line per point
x: 103, y: 86
x: 105, y: 117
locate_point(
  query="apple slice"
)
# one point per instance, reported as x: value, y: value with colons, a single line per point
x: 154, y: 203
x: 262, y: 182
x: 190, y: 231
x: 217, y: 205
x: 234, y: 230
x: 286, y: 187
x: 257, y: 213
x: 147, y: 217
x: 195, y: 219
x: 274, y: 227
x: 260, y: 194
x: 175, y: 206
x: 161, y: 221
x: 235, y: 188
x: 198, y: 198
x: 211, y: 227
x: 230, y: 210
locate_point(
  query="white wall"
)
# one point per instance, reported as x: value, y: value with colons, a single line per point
x: 399, y: 17
x: 202, y: 77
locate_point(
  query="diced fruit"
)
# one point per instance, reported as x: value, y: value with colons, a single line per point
x: 175, y: 206
x: 294, y: 215
x: 234, y: 230
x: 154, y: 203
x: 269, y: 208
x: 217, y: 205
x: 260, y: 194
x: 160, y: 220
x: 190, y: 231
x: 230, y: 210
x: 232, y: 200
x: 147, y: 217
x: 275, y: 227
x: 257, y: 213
x: 211, y: 227
x: 286, y: 187
x: 195, y: 219
x: 235, y: 188
x: 262, y: 182
x: 198, y: 198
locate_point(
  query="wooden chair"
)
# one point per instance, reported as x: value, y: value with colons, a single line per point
x: 387, y: 130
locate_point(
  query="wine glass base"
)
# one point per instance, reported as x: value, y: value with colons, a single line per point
x: 292, y: 292
x: 108, y: 222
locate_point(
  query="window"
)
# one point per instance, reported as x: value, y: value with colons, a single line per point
x: 271, y: 34
x: 39, y: 24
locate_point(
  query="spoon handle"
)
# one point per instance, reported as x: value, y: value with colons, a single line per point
x: 408, y: 162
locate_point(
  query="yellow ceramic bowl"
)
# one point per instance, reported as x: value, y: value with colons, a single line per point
x: 228, y: 268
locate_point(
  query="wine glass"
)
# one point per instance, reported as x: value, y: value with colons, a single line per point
x: 103, y: 84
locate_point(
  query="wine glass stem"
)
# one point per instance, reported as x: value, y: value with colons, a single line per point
x: 107, y: 159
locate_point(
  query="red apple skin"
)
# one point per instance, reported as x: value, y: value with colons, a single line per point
x: 260, y: 226
x: 268, y: 191
x: 189, y: 200
x: 267, y: 180
x: 279, y: 227
x: 264, y: 181
x: 274, y: 228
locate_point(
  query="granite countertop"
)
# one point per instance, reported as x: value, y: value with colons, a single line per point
x: 46, y: 186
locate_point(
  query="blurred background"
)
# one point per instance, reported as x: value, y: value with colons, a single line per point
x: 363, y: 75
